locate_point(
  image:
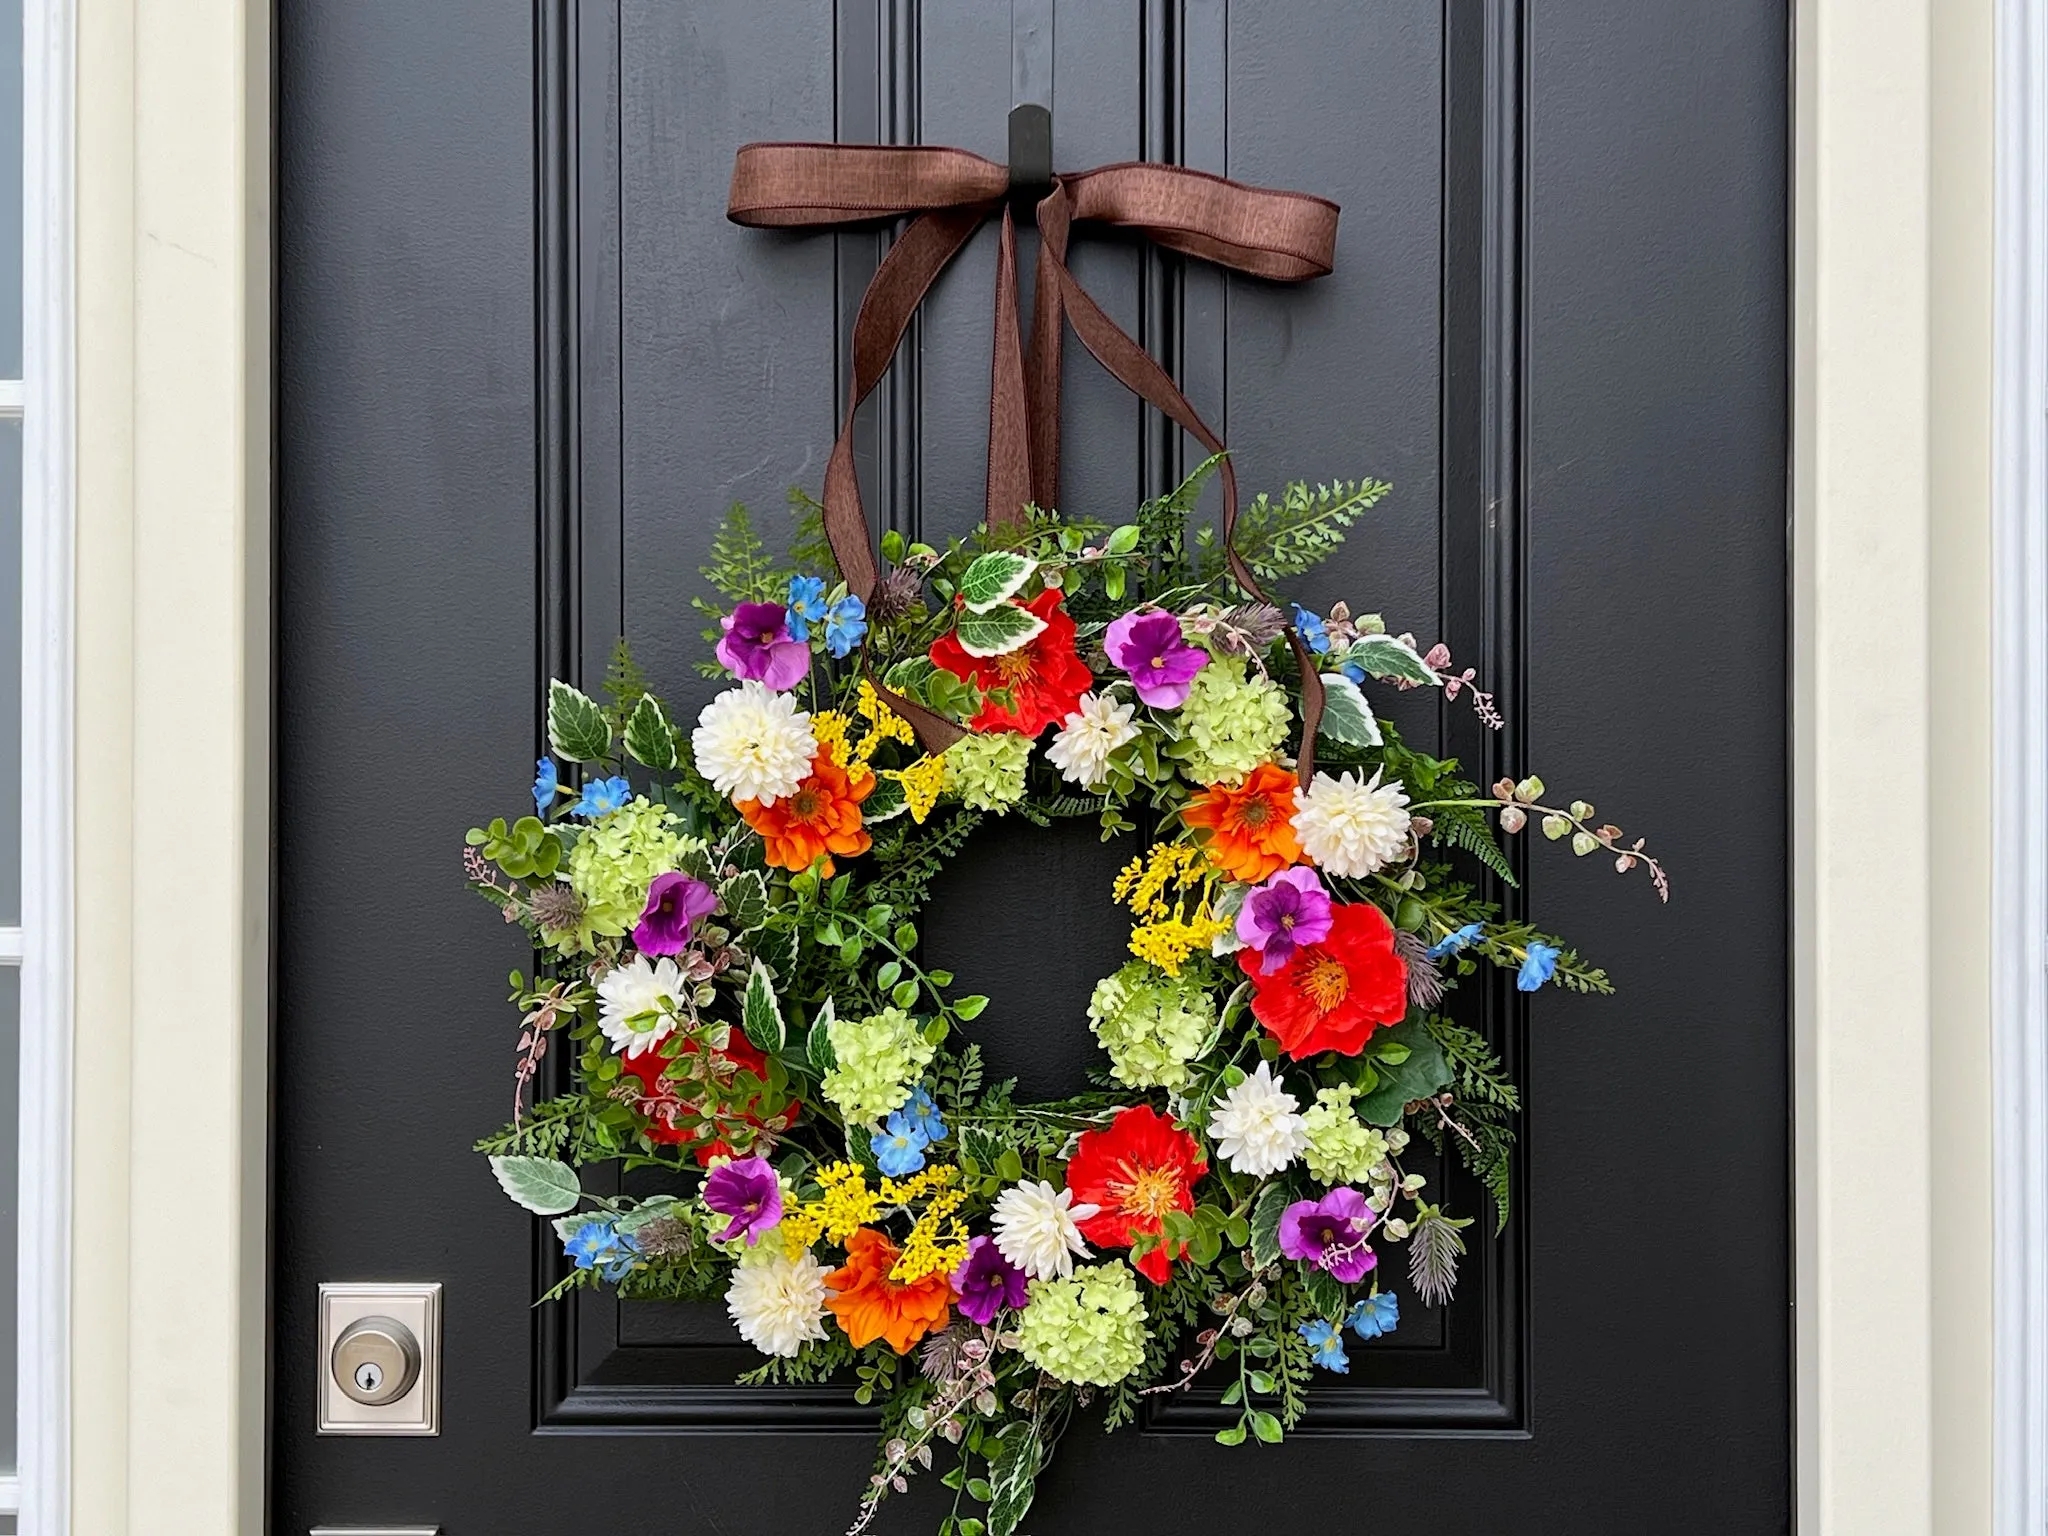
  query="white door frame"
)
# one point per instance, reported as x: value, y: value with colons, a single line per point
x: 44, y: 1280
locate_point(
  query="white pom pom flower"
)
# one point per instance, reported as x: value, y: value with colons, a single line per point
x: 1352, y: 827
x: 632, y: 1004
x: 1080, y: 749
x: 1256, y: 1127
x: 778, y: 1301
x: 1035, y: 1229
x: 753, y: 744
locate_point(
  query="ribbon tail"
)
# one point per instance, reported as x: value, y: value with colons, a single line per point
x: 1311, y: 708
x: 899, y: 285
x: 1009, y: 423
x: 1048, y: 331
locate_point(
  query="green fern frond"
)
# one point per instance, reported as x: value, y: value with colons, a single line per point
x: 624, y: 685
x: 910, y: 867
x: 1163, y: 527
x: 1476, y: 1071
x: 741, y: 570
x: 1282, y: 539
x: 816, y: 1362
x: 1459, y: 828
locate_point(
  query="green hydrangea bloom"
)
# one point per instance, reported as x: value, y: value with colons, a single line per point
x: 1232, y: 722
x: 987, y: 772
x: 880, y: 1057
x: 1151, y: 1024
x: 1342, y: 1149
x: 1089, y: 1329
x: 613, y: 862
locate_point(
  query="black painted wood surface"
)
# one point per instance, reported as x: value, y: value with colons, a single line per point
x: 524, y: 365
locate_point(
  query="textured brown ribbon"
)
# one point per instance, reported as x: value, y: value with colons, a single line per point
x: 947, y: 194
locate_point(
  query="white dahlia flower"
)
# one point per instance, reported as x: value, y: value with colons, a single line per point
x: 1255, y: 1126
x: 632, y: 1003
x: 1035, y: 1229
x: 753, y: 744
x: 1081, y: 747
x: 1350, y: 827
x: 778, y: 1302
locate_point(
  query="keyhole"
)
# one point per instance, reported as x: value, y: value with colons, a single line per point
x: 368, y: 1377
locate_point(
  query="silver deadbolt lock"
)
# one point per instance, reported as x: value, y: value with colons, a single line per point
x: 375, y: 1360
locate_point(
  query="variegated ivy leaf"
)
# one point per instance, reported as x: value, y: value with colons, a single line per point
x: 885, y: 802
x: 1003, y: 628
x: 1013, y: 1477
x: 1385, y: 656
x: 908, y: 674
x: 993, y: 578
x: 761, y: 1014
x: 818, y: 1043
x: 540, y: 1184
x: 566, y: 1227
x: 1347, y: 718
x: 576, y: 726
x: 649, y: 737
x: 744, y: 901
x: 1266, y: 1213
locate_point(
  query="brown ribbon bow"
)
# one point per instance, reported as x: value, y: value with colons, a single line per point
x: 947, y: 194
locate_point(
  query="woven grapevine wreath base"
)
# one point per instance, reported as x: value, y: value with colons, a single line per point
x: 727, y: 918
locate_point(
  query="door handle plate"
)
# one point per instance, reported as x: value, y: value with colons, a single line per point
x: 379, y: 1366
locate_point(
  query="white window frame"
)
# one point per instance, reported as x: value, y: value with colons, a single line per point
x: 41, y: 1492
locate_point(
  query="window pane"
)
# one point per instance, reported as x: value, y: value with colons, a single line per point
x: 10, y: 681
x: 10, y: 189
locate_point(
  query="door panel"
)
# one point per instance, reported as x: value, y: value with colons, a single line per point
x: 525, y: 365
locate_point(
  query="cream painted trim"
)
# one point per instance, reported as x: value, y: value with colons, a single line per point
x: 43, y: 944
x: 172, y: 765
x: 1891, y: 728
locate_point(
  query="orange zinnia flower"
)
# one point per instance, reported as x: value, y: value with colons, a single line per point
x: 870, y: 1306
x: 1251, y: 827
x: 822, y: 818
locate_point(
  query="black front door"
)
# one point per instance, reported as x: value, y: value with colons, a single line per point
x: 525, y: 365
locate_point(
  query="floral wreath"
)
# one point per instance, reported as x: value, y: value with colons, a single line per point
x: 728, y: 920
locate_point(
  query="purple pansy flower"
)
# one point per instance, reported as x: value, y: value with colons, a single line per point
x: 1330, y: 1233
x: 1290, y: 911
x: 749, y: 1192
x: 986, y: 1282
x: 759, y: 647
x: 674, y: 903
x: 1162, y: 664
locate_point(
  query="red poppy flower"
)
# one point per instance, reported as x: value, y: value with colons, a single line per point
x: 1137, y: 1168
x: 1045, y: 679
x: 1331, y: 996
x: 661, y: 1099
